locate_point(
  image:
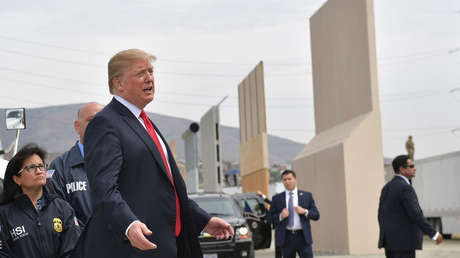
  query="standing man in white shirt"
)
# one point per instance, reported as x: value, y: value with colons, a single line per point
x: 401, y: 219
x: 291, y: 212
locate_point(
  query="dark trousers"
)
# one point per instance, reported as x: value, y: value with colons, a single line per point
x: 295, y: 243
x: 400, y: 254
x: 278, y: 253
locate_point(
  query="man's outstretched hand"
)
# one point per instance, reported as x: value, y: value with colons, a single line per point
x: 136, y: 236
x: 219, y: 228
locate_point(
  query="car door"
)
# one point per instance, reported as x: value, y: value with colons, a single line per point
x: 256, y: 213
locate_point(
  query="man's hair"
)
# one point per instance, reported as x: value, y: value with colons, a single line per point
x: 122, y: 60
x: 14, y: 165
x: 288, y: 171
x: 400, y: 161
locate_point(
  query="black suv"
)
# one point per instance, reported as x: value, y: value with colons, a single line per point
x: 256, y: 215
x: 228, y: 208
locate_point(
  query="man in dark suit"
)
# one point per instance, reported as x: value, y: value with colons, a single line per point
x: 140, y: 203
x: 401, y: 219
x: 278, y: 253
x: 291, y: 212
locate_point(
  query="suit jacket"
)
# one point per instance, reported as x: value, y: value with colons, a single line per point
x: 400, y: 217
x: 129, y: 182
x: 305, y: 200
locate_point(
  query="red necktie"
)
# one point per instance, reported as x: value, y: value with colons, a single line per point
x: 152, y: 133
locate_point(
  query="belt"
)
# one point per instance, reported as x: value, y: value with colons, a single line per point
x: 294, y: 231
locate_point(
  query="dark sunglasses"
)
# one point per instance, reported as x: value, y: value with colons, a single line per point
x: 411, y: 166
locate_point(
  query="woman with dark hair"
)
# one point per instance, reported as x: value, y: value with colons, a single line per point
x: 34, y: 222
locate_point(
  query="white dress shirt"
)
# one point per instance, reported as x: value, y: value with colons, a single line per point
x: 295, y: 202
x: 405, y: 178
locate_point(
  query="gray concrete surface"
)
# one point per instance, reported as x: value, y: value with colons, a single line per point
x: 448, y: 249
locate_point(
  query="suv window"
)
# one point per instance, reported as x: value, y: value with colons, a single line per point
x: 251, y: 205
x: 216, y: 205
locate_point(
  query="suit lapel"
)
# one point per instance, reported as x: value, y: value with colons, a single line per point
x: 413, y: 190
x: 300, y: 199
x: 142, y: 133
x: 283, y: 201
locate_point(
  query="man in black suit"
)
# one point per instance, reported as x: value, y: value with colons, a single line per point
x: 140, y: 203
x: 291, y: 212
x: 278, y: 253
x: 401, y: 219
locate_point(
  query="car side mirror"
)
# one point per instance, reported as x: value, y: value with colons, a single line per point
x: 15, y: 119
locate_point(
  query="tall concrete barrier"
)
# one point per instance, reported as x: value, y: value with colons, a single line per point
x: 253, y: 132
x: 343, y: 164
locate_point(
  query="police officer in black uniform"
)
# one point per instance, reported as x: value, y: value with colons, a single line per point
x: 33, y: 222
x: 69, y: 179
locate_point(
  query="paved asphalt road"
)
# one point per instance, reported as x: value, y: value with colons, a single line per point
x: 448, y: 249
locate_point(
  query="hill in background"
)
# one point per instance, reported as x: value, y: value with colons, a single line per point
x: 52, y: 128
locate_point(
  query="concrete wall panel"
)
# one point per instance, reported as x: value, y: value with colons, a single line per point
x: 242, y: 116
x: 253, y: 131
x: 340, y: 46
x: 344, y: 160
x: 364, y: 180
x: 211, y: 153
x: 257, y: 180
x: 254, y: 154
x: 324, y: 175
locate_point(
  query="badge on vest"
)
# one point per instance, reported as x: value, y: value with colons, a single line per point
x: 57, y: 224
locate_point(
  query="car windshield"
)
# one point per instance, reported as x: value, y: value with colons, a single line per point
x: 14, y: 114
x: 216, y: 205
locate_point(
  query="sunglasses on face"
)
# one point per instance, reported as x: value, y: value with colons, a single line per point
x: 33, y: 168
x: 411, y: 166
